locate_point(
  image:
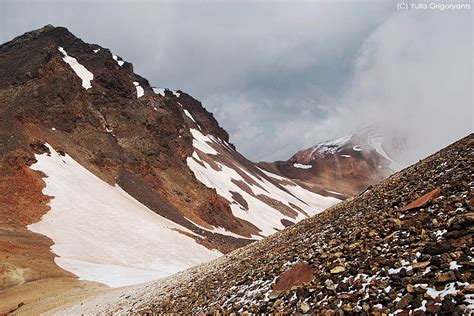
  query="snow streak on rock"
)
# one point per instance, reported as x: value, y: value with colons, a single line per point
x: 140, y: 91
x: 301, y: 166
x: 85, y: 75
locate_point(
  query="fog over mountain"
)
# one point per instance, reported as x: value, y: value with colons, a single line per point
x: 286, y: 76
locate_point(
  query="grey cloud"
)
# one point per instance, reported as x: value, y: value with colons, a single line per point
x: 281, y: 76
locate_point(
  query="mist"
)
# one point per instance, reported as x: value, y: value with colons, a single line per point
x: 413, y: 78
x: 283, y: 76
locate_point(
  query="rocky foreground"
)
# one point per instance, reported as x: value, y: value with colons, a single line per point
x: 403, y: 247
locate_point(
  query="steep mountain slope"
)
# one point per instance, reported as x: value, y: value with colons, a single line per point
x: 129, y: 182
x: 345, y: 166
x: 403, y: 246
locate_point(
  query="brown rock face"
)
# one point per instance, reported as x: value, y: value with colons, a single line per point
x: 140, y: 144
x: 295, y: 276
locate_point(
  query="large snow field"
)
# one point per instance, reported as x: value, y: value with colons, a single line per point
x: 102, y: 234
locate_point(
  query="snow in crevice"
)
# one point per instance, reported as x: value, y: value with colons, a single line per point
x: 102, y: 234
x: 81, y: 71
x: 140, y: 91
x: 96, y: 50
x: 119, y: 61
x: 189, y: 115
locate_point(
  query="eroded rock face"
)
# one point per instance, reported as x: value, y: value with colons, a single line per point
x: 368, y: 254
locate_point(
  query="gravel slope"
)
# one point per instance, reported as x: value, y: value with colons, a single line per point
x: 402, y: 246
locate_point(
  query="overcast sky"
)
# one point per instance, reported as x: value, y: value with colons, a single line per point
x: 282, y: 76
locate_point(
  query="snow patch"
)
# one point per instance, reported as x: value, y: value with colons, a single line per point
x: 176, y: 93
x: 81, y: 71
x: 96, y: 50
x: 272, y: 175
x: 450, y: 288
x: 159, y: 91
x: 102, y: 234
x: 453, y: 265
x: 120, y: 62
x: 140, y: 91
x: 200, y: 141
x: 356, y: 148
x: 301, y: 166
x: 334, y: 192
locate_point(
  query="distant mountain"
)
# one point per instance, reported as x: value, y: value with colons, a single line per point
x: 345, y: 166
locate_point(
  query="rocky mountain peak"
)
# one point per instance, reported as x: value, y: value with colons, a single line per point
x: 77, y: 117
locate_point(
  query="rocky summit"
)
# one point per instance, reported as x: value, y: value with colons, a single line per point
x: 402, y: 247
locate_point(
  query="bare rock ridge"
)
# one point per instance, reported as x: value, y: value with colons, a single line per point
x: 403, y: 246
x: 75, y: 116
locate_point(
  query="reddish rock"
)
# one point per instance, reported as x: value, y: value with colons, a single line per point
x: 421, y: 201
x: 295, y: 276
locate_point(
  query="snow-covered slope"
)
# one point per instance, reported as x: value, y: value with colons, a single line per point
x: 267, y: 201
x: 102, y: 234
